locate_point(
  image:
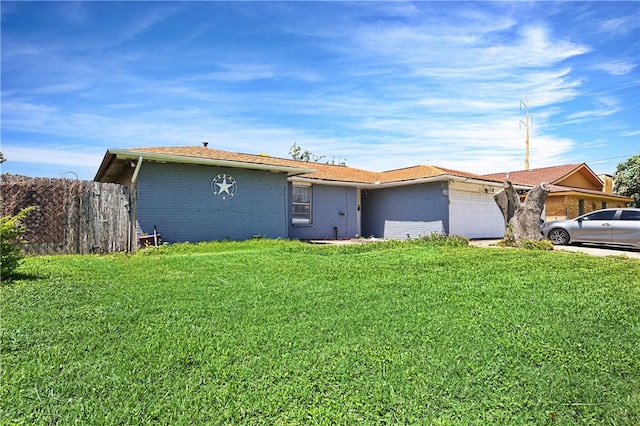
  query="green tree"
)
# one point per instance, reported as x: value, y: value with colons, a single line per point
x: 627, y: 178
x: 296, y: 153
x: 2, y: 159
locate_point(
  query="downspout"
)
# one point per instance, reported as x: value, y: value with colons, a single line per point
x: 134, y: 178
x: 134, y: 207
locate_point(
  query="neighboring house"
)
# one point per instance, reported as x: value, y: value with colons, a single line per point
x: 202, y: 194
x: 575, y: 189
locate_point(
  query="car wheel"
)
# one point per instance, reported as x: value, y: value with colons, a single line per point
x: 559, y: 236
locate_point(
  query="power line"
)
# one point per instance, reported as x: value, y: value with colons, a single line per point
x: 610, y: 158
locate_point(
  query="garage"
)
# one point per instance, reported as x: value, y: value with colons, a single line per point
x: 473, y: 213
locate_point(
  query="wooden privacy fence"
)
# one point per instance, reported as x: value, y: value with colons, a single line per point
x: 71, y: 216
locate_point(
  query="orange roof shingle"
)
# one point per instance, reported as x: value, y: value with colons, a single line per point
x: 425, y: 171
x: 216, y: 154
x: 328, y: 172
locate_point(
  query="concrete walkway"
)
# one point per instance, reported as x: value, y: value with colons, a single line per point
x: 590, y: 249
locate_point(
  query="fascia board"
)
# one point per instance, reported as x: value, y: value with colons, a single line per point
x: 104, y: 166
x: 488, y: 182
x: 311, y: 181
x: 122, y: 154
x: 375, y: 185
x: 604, y: 195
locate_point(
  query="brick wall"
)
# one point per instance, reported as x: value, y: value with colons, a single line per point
x: 178, y: 199
x: 414, y: 203
x: 607, y: 183
x: 555, y: 208
x: 334, y: 211
x: 568, y: 206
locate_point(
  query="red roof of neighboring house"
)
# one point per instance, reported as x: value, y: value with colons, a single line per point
x: 536, y: 176
x: 561, y: 179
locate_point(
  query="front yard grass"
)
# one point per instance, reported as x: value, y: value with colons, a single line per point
x: 278, y: 332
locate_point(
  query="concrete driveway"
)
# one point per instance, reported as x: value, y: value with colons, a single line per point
x: 595, y: 250
x: 590, y: 249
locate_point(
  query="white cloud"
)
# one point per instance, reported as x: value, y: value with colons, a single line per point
x: 60, y: 88
x: 621, y: 25
x: 64, y: 156
x: 237, y: 72
x: 615, y: 67
x: 394, y: 85
x: 244, y: 72
x: 537, y: 50
x: 606, y: 107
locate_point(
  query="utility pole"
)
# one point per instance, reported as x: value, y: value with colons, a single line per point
x: 526, y: 124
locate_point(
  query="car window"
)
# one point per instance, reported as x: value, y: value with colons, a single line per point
x: 602, y: 215
x: 630, y: 215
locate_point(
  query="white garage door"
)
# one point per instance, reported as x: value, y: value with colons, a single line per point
x: 474, y: 215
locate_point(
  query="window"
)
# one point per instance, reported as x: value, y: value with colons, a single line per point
x: 630, y: 215
x: 604, y: 204
x: 301, y: 209
x: 601, y: 215
x: 580, y: 207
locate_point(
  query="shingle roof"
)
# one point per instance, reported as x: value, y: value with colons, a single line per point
x: 216, y: 154
x: 326, y: 172
x: 556, y: 176
x: 425, y: 171
x: 536, y: 176
x: 332, y: 172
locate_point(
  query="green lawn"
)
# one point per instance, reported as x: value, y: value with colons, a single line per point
x: 275, y: 332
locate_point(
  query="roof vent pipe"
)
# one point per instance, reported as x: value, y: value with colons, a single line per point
x: 205, y: 144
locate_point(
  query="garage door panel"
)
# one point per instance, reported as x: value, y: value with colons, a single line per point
x: 474, y: 215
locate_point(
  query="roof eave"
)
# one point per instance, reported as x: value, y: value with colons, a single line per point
x: 309, y: 180
x: 125, y: 154
x: 104, y: 166
x: 375, y: 185
x: 604, y: 195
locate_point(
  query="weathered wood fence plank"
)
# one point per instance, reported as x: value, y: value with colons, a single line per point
x: 72, y: 216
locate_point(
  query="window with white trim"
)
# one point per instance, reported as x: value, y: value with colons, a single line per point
x: 301, y: 208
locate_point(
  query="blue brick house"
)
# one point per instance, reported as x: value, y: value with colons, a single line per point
x: 202, y: 194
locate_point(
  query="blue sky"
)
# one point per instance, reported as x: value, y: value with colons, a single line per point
x: 380, y: 85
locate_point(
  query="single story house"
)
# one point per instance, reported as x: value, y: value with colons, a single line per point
x: 575, y: 189
x: 198, y: 193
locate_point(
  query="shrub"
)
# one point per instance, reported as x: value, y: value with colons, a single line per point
x: 439, y: 239
x: 537, y: 245
x: 11, y: 231
x: 526, y: 244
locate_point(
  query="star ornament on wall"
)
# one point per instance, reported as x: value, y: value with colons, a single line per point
x: 224, y: 186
